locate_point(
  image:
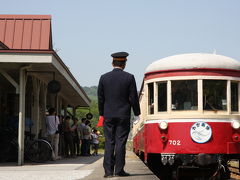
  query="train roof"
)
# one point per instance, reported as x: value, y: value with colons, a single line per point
x: 193, y: 61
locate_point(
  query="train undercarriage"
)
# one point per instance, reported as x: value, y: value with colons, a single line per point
x: 190, y: 166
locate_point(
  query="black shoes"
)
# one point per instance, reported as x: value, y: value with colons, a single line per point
x: 123, y: 173
x: 108, y: 176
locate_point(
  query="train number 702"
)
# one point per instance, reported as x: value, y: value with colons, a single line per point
x: 175, y: 142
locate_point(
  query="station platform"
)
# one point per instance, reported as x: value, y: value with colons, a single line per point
x: 134, y: 166
x: 89, y: 168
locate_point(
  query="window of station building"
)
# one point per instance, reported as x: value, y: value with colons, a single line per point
x: 162, y: 96
x: 184, y: 95
x: 214, y: 95
x: 234, y: 96
x: 150, y: 98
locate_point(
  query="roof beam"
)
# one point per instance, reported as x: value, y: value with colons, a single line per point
x: 10, y: 79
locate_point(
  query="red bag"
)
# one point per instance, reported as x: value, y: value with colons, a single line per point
x: 100, y: 121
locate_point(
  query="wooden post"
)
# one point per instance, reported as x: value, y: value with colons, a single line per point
x: 21, y: 125
x: 35, y: 107
x: 43, y: 108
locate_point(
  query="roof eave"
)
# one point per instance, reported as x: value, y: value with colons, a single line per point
x: 69, y: 72
x: 52, y: 52
x: 3, y: 46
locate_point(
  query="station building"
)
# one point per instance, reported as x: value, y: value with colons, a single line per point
x: 28, y: 63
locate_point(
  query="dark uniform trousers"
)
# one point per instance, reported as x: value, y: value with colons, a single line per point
x: 116, y: 132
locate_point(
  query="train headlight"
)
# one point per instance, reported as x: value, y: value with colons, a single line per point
x: 235, y: 124
x: 163, y: 125
x: 236, y: 137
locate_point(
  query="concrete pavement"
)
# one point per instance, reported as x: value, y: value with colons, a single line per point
x: 88, y: 168
x: 65, y: 169
x: 134, y: 166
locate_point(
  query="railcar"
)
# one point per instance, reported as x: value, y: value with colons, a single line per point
x: 190, y: 123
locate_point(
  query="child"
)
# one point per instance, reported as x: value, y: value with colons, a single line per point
x: 95, y: 142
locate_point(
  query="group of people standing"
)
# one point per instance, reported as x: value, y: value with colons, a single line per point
x: 117, y: 95
x: 70, y: 139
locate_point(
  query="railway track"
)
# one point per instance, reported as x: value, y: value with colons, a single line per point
x: 234, y: 168
x: 232, y: 165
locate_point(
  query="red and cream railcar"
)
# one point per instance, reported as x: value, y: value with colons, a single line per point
x: 190, y: 111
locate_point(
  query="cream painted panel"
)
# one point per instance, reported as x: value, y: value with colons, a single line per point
x: 25, y: 58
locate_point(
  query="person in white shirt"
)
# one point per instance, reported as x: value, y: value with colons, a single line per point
x: 52, y: 122
x: 87, y: 138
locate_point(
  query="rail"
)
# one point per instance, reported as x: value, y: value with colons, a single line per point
x: 234, y: 169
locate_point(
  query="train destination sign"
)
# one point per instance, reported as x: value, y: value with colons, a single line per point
x: 201, y: 132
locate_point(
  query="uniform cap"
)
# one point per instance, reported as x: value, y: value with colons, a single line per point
x: 120, y: 56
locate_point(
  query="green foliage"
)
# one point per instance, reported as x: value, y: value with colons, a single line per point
x: 91, y: 92
x: 101, y: 142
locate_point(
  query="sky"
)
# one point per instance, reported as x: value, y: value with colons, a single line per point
x: 87, y: 32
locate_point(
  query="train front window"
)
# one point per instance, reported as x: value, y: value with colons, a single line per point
x: 214, y: 95
x: 150, y: 98
x: 184, y: 95
x: 162, y: 96
x: 234, y: 96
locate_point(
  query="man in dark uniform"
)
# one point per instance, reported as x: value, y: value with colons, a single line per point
x: 117, y: 93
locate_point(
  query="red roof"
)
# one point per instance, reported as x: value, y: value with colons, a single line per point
x: 29, y: 32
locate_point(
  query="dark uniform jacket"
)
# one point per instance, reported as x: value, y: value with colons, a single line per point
x: 117, y: 93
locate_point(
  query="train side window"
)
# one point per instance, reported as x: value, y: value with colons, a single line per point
x: 162, y: 96
x: 150, y: 98
x: 214, y: 95
x: 184, y: 95
x: 234, y: 96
